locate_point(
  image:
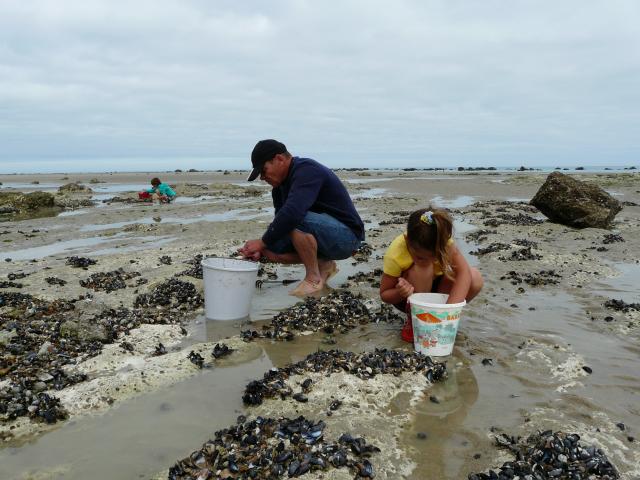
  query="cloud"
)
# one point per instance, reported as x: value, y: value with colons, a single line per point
x: 374, y: 83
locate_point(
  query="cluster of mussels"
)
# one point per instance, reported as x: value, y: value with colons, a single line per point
x: 500, y: 214
x: 612, y: 238
x: 621, y: 306
x: 339, y: 311
x: 55, y: 281
x: 195, y: 270
x: 17, y: 275
x: 34, y: 354
x: 521, y: 255
x: 165, y: 260
x: 267, y: 271
x: 491, y: 248
x: 363, y: 253
x: 274, y: 448
x: 122, y: 320
x: 523, y: 242
x: 549, y: 455
x: 80, y: 262
x: 10, y: 284
x: 171, y: 293
x: 363, y: 365
x: 480, y: 235
x: 398, y: 218
x: 20, y: 400
x: 543, y: 277
x: 37, y: 347
x: 372, y: 278
x: 109, y: 281
x: 519, y: 219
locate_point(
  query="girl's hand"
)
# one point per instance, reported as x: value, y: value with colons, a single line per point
x: 404, y: 288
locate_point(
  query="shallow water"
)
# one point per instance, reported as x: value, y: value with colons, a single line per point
x: 457, y: 202
x: 359, y: 181
x: 143, y: 435
x: 117, y: 187
x: 501, y: 395
x: 624, y: 287
x: 29, y: 187
x: 204, y: 198
x: 87, y: 245
x: 73, y: 213
x: 66, y: 246
x: 371, y: 193
x: 237, y: 214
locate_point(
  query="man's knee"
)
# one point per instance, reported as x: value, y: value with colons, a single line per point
x: 303, y: 238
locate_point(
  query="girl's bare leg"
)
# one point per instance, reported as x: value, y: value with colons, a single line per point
x: 477, y: 282
x: 420, y: 277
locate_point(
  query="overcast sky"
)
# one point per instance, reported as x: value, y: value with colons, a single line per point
x: 90, y: 85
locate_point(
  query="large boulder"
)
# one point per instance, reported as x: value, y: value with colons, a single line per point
x: 574, y: 203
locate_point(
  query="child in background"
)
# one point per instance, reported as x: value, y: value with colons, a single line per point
x: 425, y: 259
x: 163, y: 192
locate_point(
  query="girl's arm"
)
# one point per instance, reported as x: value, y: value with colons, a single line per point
x: 394, y: 289
x: 462, y: 281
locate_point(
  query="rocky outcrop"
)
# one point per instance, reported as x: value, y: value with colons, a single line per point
x: 563, y: 199
x: 13, y: 202
x: 74, y: 188
x: 86, y: 330
x: 69, y: 203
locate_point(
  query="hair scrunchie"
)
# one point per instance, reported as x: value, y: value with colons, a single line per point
x: 427, y: 217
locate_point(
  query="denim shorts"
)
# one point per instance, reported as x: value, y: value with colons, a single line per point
x: 335, y: 240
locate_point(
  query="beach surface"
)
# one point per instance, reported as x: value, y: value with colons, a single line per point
x: 542, y: 347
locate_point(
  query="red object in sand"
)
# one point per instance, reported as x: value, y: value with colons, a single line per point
x: 144, y: 195
x: 407, y: 329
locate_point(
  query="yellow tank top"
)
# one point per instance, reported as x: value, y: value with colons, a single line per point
x: 397, y: 258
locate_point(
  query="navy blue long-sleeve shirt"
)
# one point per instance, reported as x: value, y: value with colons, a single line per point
x: 310, y: 187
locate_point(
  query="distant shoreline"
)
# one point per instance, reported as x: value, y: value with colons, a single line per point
x: 461, y: 168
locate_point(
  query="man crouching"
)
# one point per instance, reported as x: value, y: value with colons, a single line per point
x: 315, y: 221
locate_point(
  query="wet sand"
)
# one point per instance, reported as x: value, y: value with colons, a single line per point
x: 148, y: 411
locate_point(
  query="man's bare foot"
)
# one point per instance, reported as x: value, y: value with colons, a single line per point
x: 328, y: 270
x: 307, y: 287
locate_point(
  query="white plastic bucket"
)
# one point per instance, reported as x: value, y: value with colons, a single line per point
x: 435, y: 323
x: 228, y: 287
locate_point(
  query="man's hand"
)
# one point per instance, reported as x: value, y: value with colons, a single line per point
x: 252, y: 249
x: 404, y: 288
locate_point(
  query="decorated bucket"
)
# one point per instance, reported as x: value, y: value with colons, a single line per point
x: 435, y: 323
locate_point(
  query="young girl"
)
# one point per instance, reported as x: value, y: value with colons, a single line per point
x: 425, y: 259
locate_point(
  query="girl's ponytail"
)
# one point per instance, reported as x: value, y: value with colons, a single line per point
x: 431, y: 229
x: 444, y: 233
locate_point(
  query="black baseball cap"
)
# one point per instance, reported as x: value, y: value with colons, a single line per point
x: 264, y: 151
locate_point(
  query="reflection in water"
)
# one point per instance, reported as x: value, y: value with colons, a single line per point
x: 206, y: 330
x: 442, y: 454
